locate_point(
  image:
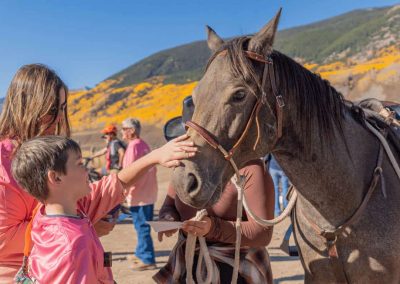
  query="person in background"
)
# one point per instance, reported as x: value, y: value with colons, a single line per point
x: 280, y: 179
x: 114, y: 150
x: 141, y: 196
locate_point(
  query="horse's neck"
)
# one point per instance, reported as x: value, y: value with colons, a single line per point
x: 331, y: 183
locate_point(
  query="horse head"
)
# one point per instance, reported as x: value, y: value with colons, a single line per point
x: 226, y: 113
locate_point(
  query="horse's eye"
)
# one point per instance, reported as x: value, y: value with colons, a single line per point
x: 239, y: 96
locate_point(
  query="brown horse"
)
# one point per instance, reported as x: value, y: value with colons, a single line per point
x: 270, y: 104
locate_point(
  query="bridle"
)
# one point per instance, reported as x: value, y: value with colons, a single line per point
x: 228, y: 154
x: 268, y: 70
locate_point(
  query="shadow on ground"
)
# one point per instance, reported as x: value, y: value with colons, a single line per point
x: 289, y: 278
x: 283, y: 258
x: 118, y: 256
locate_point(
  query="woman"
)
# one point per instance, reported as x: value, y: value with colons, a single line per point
x: 35, y: 105
x: 219, y: 226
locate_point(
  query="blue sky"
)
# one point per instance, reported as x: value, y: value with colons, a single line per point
x: 86, y: 41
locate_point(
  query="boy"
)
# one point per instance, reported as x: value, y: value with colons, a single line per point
x: 66, y: 248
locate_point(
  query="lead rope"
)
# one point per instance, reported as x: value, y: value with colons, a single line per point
x: 204, y: 253
x: 191, y: 240
x: 239, y: 182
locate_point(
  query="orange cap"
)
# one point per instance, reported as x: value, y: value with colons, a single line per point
x: 109, y: 129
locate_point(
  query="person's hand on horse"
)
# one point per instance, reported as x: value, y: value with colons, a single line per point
x: 169, y: 233
x: 175, y: 150
x: 103, y: 227
x: 197, y: 228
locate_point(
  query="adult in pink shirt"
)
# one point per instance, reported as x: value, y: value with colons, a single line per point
x: 141, y: 196
x: 35, y: 105
x: 66, y: 248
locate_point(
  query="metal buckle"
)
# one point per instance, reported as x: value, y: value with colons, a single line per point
x: 330, y: 238
x: 269, y: 60
x: 279, y: 100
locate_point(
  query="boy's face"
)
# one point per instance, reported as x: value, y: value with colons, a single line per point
x: 77, y: 179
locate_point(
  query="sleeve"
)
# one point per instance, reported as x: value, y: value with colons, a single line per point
x: 259, y: 193
x: 105, y: 195
x: 15, y: 214
x: 168, y: 208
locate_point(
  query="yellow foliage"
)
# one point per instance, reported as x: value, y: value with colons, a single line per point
x: 154, y: 103
x: 150, y: 103
x: 310, y: 66
x: 385, y: 57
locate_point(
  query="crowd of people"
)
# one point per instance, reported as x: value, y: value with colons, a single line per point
x: 51, y: 216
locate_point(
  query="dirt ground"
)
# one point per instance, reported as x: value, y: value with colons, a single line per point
x: 122, y: 242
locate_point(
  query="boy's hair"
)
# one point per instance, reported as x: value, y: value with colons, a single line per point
x: 36, y: 157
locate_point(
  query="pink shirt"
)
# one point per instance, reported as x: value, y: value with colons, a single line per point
x: 144, y: 191
x: 67, y: 249
x: 16, y: 207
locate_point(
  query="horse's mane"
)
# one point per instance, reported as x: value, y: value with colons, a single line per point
x: 311, y: 101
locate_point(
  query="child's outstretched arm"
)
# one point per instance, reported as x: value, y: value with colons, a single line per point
x: 167, y: 156
x: 109, y: 192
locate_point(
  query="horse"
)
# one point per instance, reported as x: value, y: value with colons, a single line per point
x: 255, y: 100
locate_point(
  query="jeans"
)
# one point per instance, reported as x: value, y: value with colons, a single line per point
x: 144, y: 248
x: 279, y: 176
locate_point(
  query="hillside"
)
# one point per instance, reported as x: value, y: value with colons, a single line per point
x: 321, y: 42
x: 358, y: 52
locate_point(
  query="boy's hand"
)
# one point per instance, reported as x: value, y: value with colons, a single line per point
x: 175, y: 150
x: 197, y: 228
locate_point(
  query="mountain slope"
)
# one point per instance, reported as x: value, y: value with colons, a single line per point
x: 359, y: 52
x: 322, y: 42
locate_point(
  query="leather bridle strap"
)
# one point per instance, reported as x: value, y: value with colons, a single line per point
x: 279, y: 104
x: 208, y: 137
x: 213, y: 143
x: 278, y: 97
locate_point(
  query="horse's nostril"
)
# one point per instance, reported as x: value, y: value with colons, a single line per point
x: 191, y: 183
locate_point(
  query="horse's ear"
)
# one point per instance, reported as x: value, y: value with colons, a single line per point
x: 213, y: 40
x: 262, y: 41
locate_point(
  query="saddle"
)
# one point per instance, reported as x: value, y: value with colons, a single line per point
x: 384, y: 116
